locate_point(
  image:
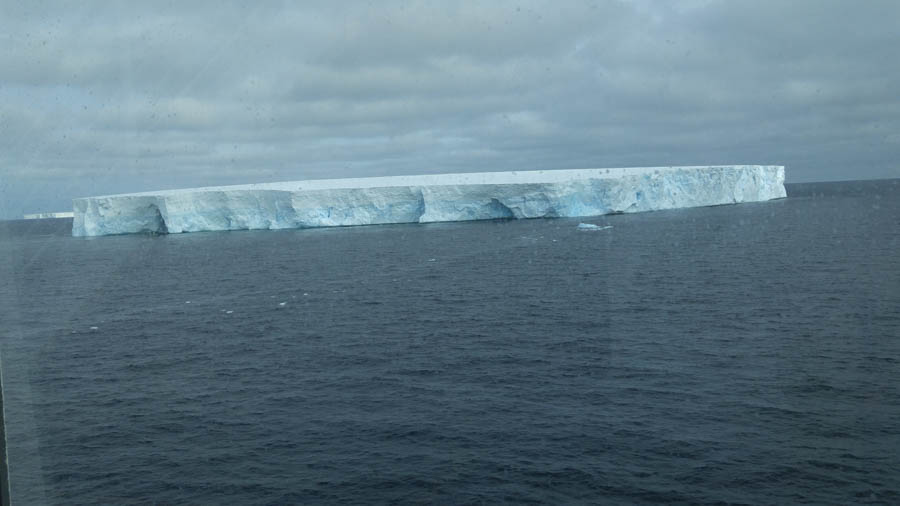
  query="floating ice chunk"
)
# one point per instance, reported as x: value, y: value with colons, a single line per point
x: 94, y: 328
x: 590, y: 226
x: 282, y: 303
x: 229, y: 312
x: 426, y: 198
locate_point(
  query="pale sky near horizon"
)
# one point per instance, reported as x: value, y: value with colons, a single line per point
x: 111, y: 97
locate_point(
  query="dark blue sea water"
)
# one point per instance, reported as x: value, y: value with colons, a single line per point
x: 737, y: 354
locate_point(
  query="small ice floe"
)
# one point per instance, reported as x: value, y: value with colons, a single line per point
x: 229, y: 311
x: 94, y: 328
x: 432, y: 259
x: 590, y: 226
x: 305, y: 294
x: 282, y: 303
x: 187, y: 302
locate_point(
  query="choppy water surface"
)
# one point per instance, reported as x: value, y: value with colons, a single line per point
x: 745, y: 354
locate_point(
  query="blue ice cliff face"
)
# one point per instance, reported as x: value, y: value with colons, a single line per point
x: 427, y: 198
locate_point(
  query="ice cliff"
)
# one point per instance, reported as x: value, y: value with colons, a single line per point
x: 427, y: 198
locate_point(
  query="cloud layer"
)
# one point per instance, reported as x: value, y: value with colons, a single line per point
x: 113, y: 97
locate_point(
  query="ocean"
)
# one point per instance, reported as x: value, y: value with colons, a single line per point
x: 744, y: 354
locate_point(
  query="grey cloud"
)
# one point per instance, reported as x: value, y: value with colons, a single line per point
x: 115, y: 96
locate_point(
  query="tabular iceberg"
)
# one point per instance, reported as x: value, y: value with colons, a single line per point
x: 44, y: 216
x: 426, y: 198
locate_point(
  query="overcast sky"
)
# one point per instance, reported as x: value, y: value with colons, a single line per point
x: 99, y: 98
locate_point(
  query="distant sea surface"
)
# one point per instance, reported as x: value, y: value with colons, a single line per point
x: 736, y: 354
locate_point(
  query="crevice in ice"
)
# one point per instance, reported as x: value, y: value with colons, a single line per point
x: 157, y: 224
x: 501, y: 210
x: 420, y: 209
